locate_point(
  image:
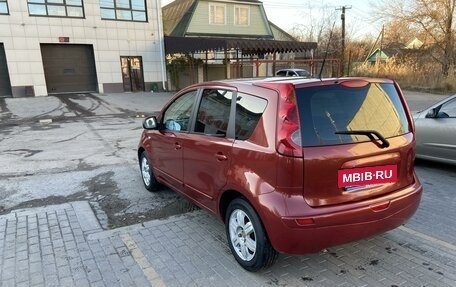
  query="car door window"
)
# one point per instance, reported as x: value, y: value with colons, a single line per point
x: 177, y: 116
x: 448, y: 110
x: 214, y: 112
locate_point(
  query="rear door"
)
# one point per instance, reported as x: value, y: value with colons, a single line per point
x: 208, y: 148
x: 357, y: 141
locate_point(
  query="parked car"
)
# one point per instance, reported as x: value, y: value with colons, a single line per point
x: 293, y: 73
x: 436, y: 131
x: 289, y: 165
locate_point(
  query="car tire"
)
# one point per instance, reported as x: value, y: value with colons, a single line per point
x: 147, y: 174
x: 247, y: 238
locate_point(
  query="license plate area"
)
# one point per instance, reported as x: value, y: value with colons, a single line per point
x: 358, y: 178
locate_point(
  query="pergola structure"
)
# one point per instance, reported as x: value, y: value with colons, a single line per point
x: 243, y: 46
x: 185, y: 45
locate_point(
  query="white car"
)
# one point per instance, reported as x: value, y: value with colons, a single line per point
x: 293, y: 73
x: 436, y: 131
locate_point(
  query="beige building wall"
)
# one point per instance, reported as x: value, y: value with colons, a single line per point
x: 22, y: 35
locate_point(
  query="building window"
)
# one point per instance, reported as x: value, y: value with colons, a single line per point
x: 125, y: 10
x: 217, y: 14
x: 56, y: 8
x: 3, y: 7
x: 241, y: 15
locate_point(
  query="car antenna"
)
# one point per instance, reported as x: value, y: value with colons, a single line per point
x: 326, y: 52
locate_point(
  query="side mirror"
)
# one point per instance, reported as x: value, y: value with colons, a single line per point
x: 432, y: 113
x: 150, y: 123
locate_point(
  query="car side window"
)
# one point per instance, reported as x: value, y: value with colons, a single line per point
x: 249, y: 110
x: 281, y: 73
x: 214, y: 112
x: 448, y: 110
x: 177, y: 116
x: 291, y: 74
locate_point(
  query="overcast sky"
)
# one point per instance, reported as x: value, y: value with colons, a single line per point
x: 359, y: 19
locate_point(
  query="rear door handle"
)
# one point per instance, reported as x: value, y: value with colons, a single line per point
x: 177, y: 146
x: 221, y: 157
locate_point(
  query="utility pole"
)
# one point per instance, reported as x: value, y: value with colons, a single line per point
x: 342, y: 56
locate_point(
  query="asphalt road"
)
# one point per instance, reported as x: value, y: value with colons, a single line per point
x: 66, y: 148
x: 82, y: 148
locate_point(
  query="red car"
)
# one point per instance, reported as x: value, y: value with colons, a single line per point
x: 289, y: 165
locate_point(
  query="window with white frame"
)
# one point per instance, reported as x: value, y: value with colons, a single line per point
x: 3, y: 7
x: 241, y: 15
x: 56, y: 8
x: 123, y: 10
x: 217, y: 14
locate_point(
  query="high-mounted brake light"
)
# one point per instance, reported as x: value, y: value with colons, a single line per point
x: 288, y: 125
x: 354, y: 83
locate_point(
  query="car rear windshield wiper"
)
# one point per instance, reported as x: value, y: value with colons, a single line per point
x: 370, y: 134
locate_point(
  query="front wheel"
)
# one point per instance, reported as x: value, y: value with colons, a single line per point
x: 247, y: 238
x: 147, y: 174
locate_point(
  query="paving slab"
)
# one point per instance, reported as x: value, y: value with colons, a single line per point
x: 64, y: 245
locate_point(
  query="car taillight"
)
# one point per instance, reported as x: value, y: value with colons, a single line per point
x: 411, y: 165
x: 288, y: 125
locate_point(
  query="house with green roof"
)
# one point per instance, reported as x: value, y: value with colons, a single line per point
x: 223, y: 34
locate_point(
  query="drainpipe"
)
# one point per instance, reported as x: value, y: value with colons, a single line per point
x: 162, y: 44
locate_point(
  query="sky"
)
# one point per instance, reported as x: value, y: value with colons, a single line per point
x: 359, y: 19
x: 288, y: 13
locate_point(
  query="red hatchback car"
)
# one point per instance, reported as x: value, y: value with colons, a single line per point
x: 289, y: 165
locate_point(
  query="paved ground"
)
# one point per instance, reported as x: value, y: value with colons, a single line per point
x: 63, y: 245
x: 66, y: 244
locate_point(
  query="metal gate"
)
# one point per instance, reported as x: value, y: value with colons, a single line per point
x: 69, y: 68
x: 5, y: 84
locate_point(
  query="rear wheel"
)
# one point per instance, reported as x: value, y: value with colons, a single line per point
x: 247, y: 238
x: 147, y: 173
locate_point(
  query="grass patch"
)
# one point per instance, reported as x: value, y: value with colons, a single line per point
x: 410, y: 75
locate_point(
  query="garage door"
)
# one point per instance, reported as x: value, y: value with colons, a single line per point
x: 5, y: 85
x: 69, y: 68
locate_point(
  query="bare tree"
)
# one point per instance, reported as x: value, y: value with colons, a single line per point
x: 319, y: 20
x: 398, y: 31
x: 359, y: 48
x: 434, y: 17
x: 320, y: 25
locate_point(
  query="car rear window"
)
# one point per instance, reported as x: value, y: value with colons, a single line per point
x: 325, y: 110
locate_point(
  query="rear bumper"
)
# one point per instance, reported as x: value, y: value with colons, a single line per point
x: 330, y: 226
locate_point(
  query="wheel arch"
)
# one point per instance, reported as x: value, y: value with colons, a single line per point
x: 225, y: 200
x: 228, y: 196
x: 267, y: 255
x: 140, y: 151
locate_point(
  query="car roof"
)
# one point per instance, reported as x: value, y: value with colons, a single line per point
x: 296, y: 81
x: 292, y: 69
